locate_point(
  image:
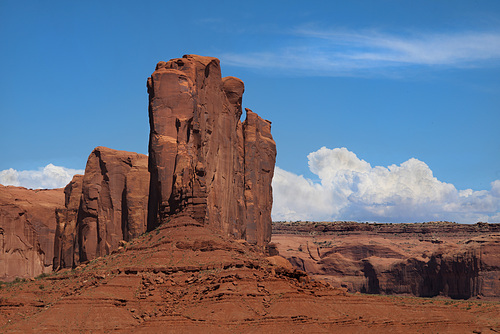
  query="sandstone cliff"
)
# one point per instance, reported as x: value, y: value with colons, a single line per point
x: 27, y: 229
x: 105, y: 206
x: 115, y: 182
x: 426, y: 259
x: 203, y: 161
x: 66, y: 219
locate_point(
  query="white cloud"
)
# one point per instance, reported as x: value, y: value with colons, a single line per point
x: 422, y: 49
x: 351, y: 189
x: 47, y: 177
x: 324, y: 52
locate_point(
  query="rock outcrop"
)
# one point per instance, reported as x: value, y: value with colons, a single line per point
x: 27, y: 229
x: 65, y: 253
x: 204, y: 162
x: 425, y: 260
x: 104, y: 207
x: 115, y: 183
x: 184, y: 278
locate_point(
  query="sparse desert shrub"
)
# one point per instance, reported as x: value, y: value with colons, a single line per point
x: 42, y: 275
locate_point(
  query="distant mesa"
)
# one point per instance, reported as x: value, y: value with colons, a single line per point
x: 420, y: 259
x: 27, y: 230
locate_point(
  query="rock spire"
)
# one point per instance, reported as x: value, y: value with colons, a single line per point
x: 204, y: 162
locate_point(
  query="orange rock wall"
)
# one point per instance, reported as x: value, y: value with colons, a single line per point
x: 421, y: 259
x: 105, y: 206
x: 27, y: 229
x: 202, y: 159
x: 67, y: 218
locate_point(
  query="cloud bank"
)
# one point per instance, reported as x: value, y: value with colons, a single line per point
x: 47, y: 177
x: 341, y: 52
x: 351, y: 189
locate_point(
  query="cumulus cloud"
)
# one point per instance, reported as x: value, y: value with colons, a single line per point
x: 351, y: 189
x: 343, y: 52
x: 47, y: 177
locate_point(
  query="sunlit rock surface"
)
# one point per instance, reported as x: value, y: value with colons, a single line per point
x: 204, y: 162
x: 27, y: 229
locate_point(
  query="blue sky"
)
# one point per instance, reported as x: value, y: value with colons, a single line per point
x: 389, y: 81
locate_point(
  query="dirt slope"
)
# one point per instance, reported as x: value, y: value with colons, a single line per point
x: 183, y: 278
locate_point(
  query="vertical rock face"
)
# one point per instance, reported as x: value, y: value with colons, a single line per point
x: 106, y: 205
x: 260, y: 153
x: 457, y: 272
x: 20, y: 251
x: 27, y: 229
x: 422, y: 259
x: 198, y: 146
x: 66, y: 218
x: 114, y: 201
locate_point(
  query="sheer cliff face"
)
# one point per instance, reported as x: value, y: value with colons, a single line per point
x: 203, y: 161
x: 27, y: 228
x: 422, y: 259
x: 66, y: 219
x: 106, y: 205
x: 114, y: 195
x: 260, y: 153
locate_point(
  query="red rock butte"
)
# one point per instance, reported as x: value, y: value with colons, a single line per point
x: 104, y: 207
x: 204, y: 193
x: 204, y: 162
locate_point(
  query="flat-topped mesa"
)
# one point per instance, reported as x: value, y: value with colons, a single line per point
x: 203, y: 161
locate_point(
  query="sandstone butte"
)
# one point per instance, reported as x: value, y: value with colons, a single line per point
x: 204, y: 162
x: 105, y: 206
x: 177, y: 241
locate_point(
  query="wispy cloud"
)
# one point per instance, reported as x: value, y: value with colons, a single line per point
x: 351, y: 189
x: 47, y: 177
x: 323, y: 52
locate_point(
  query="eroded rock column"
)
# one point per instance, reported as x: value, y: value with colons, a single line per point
x: 197, y: 151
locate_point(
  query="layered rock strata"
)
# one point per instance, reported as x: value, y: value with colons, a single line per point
x: 104, y: 207
x: 424, y: 259
x: 27, y: 229
x: 204, y: 162
x: 184, y: 278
